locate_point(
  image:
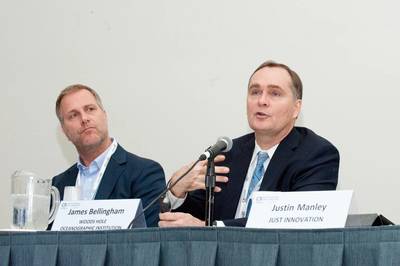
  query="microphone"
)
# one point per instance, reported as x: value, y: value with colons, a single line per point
x: 223, y: 144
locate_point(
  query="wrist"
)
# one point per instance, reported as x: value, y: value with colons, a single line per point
x: 177, y: 193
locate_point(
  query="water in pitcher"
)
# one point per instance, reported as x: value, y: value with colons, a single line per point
x: 30, y: 214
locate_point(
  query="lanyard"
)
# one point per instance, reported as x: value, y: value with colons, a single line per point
x: 96, y: 184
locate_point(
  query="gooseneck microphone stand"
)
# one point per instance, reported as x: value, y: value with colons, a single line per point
x: 210, y: 186
x: 165, y: 205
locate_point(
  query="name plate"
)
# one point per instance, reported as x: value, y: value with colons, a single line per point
x: 91, y: 215
x: 299, y: 210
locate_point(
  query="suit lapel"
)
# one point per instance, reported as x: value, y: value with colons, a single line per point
x: 279, y: 161
x: 239, y: 165
x: 115, y: 168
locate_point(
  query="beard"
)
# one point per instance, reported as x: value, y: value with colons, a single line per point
x: 90, y: 143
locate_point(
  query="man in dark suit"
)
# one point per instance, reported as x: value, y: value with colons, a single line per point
x: 277, y: 156
x: 104, y: 169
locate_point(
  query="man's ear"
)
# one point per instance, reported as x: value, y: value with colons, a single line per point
x: 297, y: 108
x: 62, y: 128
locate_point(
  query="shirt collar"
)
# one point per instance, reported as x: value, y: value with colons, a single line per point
x: 270, y: 151
x: 96, y: 163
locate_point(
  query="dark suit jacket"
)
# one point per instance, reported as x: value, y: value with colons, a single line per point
x: 303, y: 161
x: 127, y: 176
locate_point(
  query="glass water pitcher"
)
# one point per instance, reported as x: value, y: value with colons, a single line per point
x: 30, y: 199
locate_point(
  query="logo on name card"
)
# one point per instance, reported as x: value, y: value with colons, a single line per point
x: 69, y: 204
x: 263, y: 198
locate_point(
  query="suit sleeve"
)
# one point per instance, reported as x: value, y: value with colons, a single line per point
x: 194, y: 204
x: 152, y: 183
x: 319, y: 171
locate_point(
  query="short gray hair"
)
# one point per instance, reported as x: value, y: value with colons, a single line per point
x: 297, y: 85
x: 71, y: 89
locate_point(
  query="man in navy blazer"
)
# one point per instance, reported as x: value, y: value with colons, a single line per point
x: 298, y: 159
x: 104, y: 169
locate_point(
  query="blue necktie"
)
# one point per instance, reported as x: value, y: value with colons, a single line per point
x: 257, y: 175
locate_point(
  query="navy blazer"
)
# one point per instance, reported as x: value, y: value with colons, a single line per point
x: 302, y: 161
x: 127, y: 176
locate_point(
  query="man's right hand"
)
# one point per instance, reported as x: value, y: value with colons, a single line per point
x: 195, y: 179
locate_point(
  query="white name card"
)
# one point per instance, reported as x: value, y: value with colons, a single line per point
x: 91, y: 215
x: 299, y: 210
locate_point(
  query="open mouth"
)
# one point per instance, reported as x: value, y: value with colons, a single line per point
x: 262, y: 115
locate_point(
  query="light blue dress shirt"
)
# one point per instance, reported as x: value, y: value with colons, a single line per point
x: 89, y: 174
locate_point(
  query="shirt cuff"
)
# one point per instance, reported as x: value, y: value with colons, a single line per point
x: 175, y: 202
x: 220, y: 224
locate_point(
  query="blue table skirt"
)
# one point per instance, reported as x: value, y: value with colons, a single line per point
x: 204, y: 246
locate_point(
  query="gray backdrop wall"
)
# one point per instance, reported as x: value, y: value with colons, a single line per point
x: 173, y: 78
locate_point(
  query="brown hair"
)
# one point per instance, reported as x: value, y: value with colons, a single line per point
x: 297, y: 86
x: 71, y: 89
